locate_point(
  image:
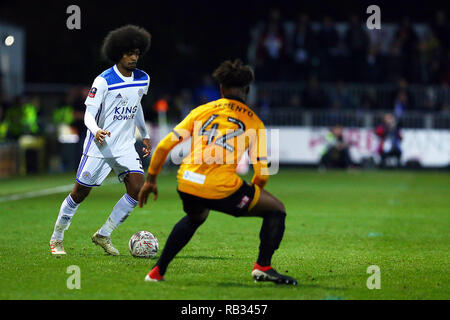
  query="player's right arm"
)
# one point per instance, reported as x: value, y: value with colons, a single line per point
x: 93, y: 103
x: 180, y: 133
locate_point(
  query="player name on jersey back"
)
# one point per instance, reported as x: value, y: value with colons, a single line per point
x: 237, y: 107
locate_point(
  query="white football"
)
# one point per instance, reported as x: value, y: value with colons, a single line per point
x: 143, y: 244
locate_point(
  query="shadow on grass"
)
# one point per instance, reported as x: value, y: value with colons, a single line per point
x: 281, y: 286
x: 203, y: 257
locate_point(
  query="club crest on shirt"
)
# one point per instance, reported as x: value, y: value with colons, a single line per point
x: 92, y: 92
x: 86, y: 175
x: 140, y: 92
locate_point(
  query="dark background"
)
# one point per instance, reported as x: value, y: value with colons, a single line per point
x: 188, y: 37
x: 345, y: 79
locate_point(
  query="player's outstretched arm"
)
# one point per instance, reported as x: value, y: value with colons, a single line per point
x: 147, y: 149
x: 159, y: 157
x: 180, y: 133
x: 148, y: 188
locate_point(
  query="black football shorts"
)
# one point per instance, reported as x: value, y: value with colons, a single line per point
x: 237, y: 204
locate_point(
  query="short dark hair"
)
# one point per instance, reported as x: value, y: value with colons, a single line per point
x: 234, y: 74
x: 123, y: 40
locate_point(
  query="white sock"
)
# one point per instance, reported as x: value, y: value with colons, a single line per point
x: 120, y: 212
x: 66, y: 212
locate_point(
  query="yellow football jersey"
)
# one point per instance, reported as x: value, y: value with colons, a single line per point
x: 221, y: 132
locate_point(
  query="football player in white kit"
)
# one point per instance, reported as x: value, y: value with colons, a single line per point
x: 113, y: 111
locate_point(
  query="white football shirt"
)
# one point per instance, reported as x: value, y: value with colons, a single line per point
x: 117, y: 99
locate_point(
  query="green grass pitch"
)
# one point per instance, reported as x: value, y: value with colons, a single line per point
x: 338, y: 224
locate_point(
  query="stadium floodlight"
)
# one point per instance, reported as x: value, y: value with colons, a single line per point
x: 9, y: 40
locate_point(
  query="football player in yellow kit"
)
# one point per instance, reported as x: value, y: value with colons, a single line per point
x: 221, y: 131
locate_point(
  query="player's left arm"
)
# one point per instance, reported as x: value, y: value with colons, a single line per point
x: 140, y: 124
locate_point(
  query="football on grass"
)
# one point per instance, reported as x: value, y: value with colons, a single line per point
x: 143, y: 244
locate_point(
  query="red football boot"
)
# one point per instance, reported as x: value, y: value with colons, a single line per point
x: 154, y: 275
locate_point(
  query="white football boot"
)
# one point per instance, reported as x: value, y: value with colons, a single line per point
x: 105, y: 243
x: 57, y: 247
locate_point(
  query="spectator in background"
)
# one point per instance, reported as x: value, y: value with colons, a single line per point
x: 402, y: 99
x: 406, y: 39
x: 313, y: 96
x: 336, y: 153
x: 401, y: 104
x: 327, y: 45
x: 264, y: 105
x: 371, y: 66
x: 430, y: 100
x: 77, y: 101
x: 271, y: 50
x: 22, y: 117
x: 378, y: 39
x: 68, y: 120
x: 441, y: 28
x: 357, y: 41
x: 303, y: 48
x: 184, y: 104
x: 390, y: 139
x: 339, y: 97
x: 367, y: 102
x: 427, y: 60
x: 406, y: 36
x: 444, y: 97
x: 394, y: 63
x: 446, y: 107
x: 207, y: 91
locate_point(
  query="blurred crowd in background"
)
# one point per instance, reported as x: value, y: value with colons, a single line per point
x: 348, y: 51
x: 321, y: 62
x: 301, y: 64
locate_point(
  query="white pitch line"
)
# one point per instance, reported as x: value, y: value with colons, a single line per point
x: 49, y: 191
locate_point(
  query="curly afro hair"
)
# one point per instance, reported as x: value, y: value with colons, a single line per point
x: 234, y: 74
x: 123, y: 40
